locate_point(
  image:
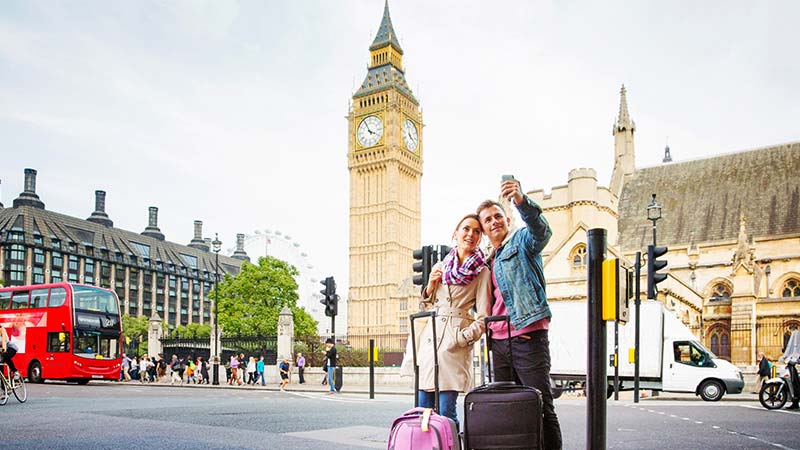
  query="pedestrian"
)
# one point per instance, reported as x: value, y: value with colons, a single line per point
x: 160, y: 368
x: 134, y: 368
x: 251, y: 371
x: 144, y: 364
x: 260, y: 371
x: 177, y: 370
x: 190, y: 370
x: 283, y: 370
x: 204, y: 370
x: 301, y: 367
x: 764, y: 371
x: 330, y: 360
x: 126, y: 368
x: 234, y: 371
x: 519, y: 292
x: 458, y: 284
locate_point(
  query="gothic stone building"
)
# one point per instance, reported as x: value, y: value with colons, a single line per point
x: 732, y: 225
x: 150, y: 275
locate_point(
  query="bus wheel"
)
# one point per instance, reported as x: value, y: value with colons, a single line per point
x: 82, y: 381
x: 35, y: 372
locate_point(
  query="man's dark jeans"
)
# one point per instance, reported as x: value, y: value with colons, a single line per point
x: 531, y: 368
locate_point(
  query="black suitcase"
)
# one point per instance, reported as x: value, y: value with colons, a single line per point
x: 502, y: 415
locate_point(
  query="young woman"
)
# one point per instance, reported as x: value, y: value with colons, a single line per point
x: 457, y: 284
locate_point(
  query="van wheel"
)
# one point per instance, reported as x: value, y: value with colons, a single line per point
x: 35, y: 372
x: 711, y: 390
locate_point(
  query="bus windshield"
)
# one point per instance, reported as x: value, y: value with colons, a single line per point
x: 96, y: 300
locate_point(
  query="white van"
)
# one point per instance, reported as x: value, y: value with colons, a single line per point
x: 671, y: 357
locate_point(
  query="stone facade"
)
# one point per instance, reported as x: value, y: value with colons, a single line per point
x: 385, y: 149
x: 732, y: 225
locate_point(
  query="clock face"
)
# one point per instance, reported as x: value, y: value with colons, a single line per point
x: 369, y: 131
x: 410, y: 136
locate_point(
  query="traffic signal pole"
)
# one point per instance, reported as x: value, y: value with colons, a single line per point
x: 637, y: 303
x: 596, y: 360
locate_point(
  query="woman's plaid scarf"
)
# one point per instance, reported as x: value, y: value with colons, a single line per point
x: 462, y: 275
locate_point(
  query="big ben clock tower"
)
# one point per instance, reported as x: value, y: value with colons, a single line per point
x: 385, y: 163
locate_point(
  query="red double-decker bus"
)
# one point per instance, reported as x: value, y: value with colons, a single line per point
x: 64, y: 331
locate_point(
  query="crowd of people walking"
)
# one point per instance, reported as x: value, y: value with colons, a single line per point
x: 239, y: 370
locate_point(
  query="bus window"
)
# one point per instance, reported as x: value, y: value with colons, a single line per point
x: 5, y: 298
x: 57, y: 297
x: 19, y: 300
x: 92, y: 299
x: 38, y: 298
x: 58, y: 342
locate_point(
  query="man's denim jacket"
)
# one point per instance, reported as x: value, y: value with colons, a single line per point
x: 518, y: 267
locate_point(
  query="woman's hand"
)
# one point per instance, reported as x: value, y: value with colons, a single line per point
x: 433, y: 281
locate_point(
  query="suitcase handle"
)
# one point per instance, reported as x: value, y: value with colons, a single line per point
x: 413, y: 317
x: 486, y: 323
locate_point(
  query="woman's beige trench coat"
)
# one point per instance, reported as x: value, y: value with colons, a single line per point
x: 457, y: 329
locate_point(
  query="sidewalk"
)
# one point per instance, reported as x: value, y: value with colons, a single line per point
x: 292, y: 387
x: 626, y: 396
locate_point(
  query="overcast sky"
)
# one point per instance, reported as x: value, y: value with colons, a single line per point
x: 232, y: 112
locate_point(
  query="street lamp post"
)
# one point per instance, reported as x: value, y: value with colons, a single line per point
x: 653, y: 214
x: 217, y: 245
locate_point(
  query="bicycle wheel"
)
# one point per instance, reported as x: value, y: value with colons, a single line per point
x: 20, y: 391
x: 3, y: 392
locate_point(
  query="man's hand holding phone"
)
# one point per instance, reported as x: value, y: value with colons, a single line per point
x: 510, y: 189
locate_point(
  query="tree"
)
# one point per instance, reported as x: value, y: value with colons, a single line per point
x: 249, y: 303
x: 192, y: 330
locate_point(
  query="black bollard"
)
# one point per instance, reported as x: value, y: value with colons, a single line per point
x: 596, y: 360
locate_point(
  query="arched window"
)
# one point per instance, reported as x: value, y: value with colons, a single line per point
x: 578, y: 257
x: 721, y: 291
x: 719, y: 340
x: 791, y: 288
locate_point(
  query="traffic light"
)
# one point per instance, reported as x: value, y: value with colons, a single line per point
x: 329, y: 298
x: 443, y: 251
x: 653, y: 266
x: 422, y: 266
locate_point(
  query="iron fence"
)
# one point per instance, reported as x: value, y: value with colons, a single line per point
x: 353, y: 350
x: 256, y: 346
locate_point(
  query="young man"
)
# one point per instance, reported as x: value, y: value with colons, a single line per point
x: 519, y: 292
x: 330, y: 357
x: 283, y: 369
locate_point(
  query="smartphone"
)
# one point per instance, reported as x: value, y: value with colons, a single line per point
x: 508, y: 178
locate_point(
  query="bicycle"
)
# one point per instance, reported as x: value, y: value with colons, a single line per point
x: 16, y: 385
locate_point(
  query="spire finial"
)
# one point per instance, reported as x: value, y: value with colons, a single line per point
x: 667, y: 154
x: 624, y: 121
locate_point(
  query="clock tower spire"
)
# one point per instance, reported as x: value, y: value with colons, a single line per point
x: 385, y: 164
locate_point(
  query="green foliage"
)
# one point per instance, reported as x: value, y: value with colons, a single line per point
x: 250, y: 302
x: 135, y: 327
x: 192, y: 330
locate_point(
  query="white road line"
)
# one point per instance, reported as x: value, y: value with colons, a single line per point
x: 796, y: 413
x: 332, y: 398
x: 735, y: 433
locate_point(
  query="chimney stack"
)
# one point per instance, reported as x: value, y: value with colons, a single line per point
x: 99, y: 215
x: 198, y: 242
x: 28, y: 197
x: 240, y: 254
x: 152, y: 229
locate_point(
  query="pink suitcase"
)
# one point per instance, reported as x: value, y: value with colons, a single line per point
x: 422, y: 428
x: 410, y: 433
